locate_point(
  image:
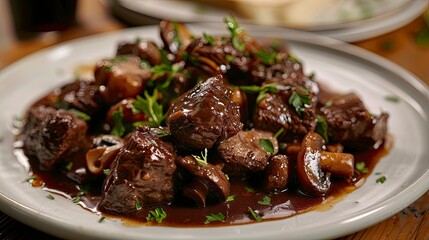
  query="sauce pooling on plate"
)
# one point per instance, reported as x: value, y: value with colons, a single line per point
x: 202, y: 131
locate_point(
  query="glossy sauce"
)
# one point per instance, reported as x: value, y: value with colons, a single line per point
x: 181, y: 213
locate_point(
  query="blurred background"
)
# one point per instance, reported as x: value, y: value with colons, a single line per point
x: 394, y: 29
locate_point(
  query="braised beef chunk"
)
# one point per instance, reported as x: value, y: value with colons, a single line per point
x: 277, y: 173
x: 141, y: 172
x: 210, y: 175
x: 276, y: 112
x: 50, y: 135
x: 120, y: 77
x: 350, y: 123
x: 146, y: 50
x: 244, y: 153
x: 82, y: 95
x: 204, y: 116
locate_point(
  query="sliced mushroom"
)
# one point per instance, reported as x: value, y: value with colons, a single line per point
x: 197, y: 190
x: 102, y: 155
x: 208, y: 173
x: 334, y: 160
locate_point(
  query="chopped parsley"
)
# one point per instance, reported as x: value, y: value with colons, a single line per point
x: 267, y: 145
x: 267, y: 57
x: 279, y: 132
x: 381, y: 179
x: 422, y: 37
x: 118, y: 123
x: 230, y: 198
x: 266, y: 200
x: 76, y: 200
x: 299, y: 102
x: 158, y: 215
x: 149, y: 106
x: 322, y: 127
x: 50, y: 196
x: 392, y: 98
x: 202, y: 161
x: 249, y: 189
x: 30, y: 178
x: 210, y: 40
x: 360, y: 166
x: 101, y: 219
x: 80, y: 114
x: 107, y: 68
x: 235, y: 30
x: 229, y: 57
x: 106, y: 171
x: 261, y: 90
x: 176, y: 39
x: 69, y: 166
x: 139, y: 205
x: 293, y: 58
x: 255, y: 215
x: 215, y: 217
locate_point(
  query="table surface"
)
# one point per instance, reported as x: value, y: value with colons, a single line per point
x: 398, y: 46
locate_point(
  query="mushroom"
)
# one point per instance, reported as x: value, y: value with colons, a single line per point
x: 102, y: 155
x: 333, y: 160
x: 175, y: 36
x: 197, y: 190
x: 311, y: 176
x: 208, y: 174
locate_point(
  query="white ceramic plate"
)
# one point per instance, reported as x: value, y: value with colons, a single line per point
x: 351, y: 20
x: 343, y: 67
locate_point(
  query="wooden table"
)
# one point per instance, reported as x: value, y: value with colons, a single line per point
x: 398, y: 46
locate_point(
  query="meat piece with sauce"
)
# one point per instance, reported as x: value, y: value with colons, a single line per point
x: 50, y: 135
x: 204, y: 116
x: 350, y: 123
x: 141, y: 172
x: 243, y: 153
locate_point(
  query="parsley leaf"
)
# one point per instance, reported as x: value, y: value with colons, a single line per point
x: 149, y: 106
x: 266, y: 200
x: 118, y: 124
x: 76, y: 200
x: 261, y: 90
x: 322, y: 127
x: 268, y: 58
x: 101, y: 219
x: 158, y: 215
x: 69, y: 166
x: 279, y: 132
x: 360, y: 166
x: 267, y: 145
x: 210, y: 40
x: 139, y: 205
x: 249, y: 189
x: 202, y: 161
x: 80, y: 114
x: 392, y: 98
x: 255, y: 215
x: 235, y: 30
x: 50, y: 196
x: 299, y: 102
x: 381, y: 179
x: 215, y: 217
x: 106, y: 171
x: 230, y: 198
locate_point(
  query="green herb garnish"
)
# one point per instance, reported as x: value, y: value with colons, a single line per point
x: 31, y: 178
x: 76, y: 200
x: 392, y: 98
x: 278, y: 133
x: 107, y: 68
x: 118, y: 123
x: 322, y: 127
x: 266, y: 200
x: 69, y: 166
x: 229, y: 57
x: 267, y: 145
x: 261, y: 90
x: 149, y: 106
x: 422, y: 37
x: 299, y: 102
x: 255, y: 215
x: 101, y: 219
x: 268, y: 58
x: 249, y: 189
x: 158, y: 215
x: 50, y: 196
x: 202, y: 161
x: 360, y: 166
x: 106, y: 171
x: 381, y: 179
x: 139, y: 205
x: 80, y: 114
x: 235, y: 30
x: 293, y: 58
x: 210, y: 40
x: 230, y: 198
x: 176, y: 38
x: 214, y: 217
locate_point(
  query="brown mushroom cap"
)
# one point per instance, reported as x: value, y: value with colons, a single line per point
x: 311, y: 178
